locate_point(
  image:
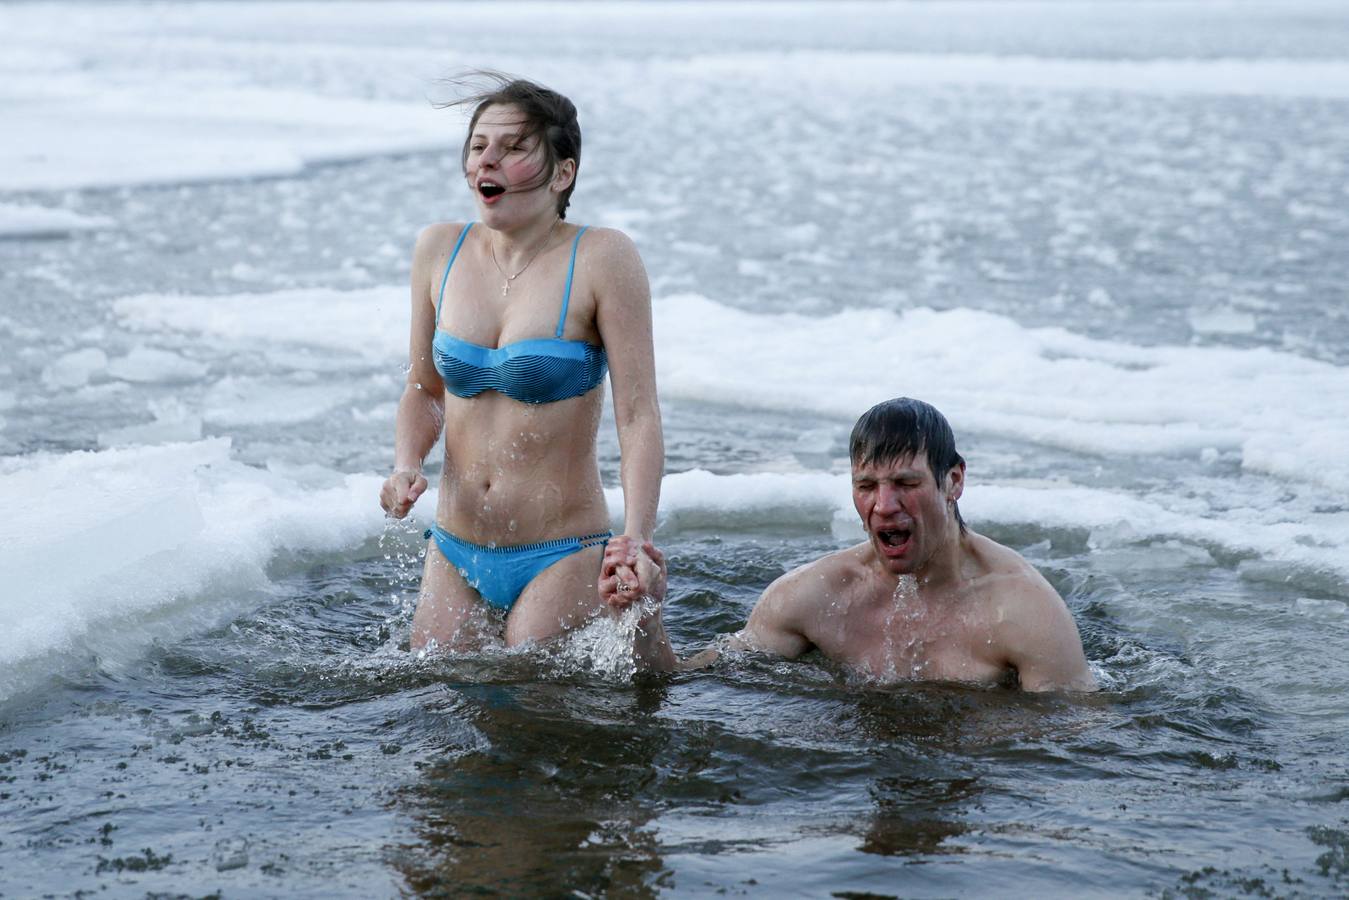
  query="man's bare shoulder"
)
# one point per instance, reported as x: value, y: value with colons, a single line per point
x: 1017, y: 599
x: 1002, y: 572
x: 820, y: 579
x: 1030, y: 621
x: 787, y: 616
x: 794, y: 600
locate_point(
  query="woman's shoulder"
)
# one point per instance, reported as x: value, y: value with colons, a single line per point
x: 434, y: 244
x: 609, y: 251
x: 438, y: 233
x: 600, y: 238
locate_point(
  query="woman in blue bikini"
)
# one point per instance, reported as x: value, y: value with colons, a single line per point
x: 515, y: 320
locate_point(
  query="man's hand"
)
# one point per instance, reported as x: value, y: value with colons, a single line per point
x: 400, y: 491
x: 629, y: 573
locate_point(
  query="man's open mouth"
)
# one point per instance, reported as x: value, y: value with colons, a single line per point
x: 490, y: 189
x: 894, y: 538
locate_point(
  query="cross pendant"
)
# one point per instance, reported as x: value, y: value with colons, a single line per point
x: 505, y: 288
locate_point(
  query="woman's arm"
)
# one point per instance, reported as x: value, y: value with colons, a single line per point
x: 623, y: 317
x: 421, y: 409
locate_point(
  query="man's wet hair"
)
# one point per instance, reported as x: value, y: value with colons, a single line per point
x: 544, y: 114
x: 901, y: 428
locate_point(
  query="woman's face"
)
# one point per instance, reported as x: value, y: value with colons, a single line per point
x: 504, y: 169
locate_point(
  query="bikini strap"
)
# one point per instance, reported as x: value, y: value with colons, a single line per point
x: 453, y: 253
x: 566, y: 292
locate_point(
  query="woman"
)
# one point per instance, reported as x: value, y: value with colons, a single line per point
x: 515, y: 319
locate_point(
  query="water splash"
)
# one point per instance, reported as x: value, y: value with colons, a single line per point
x: 402, y: 546
x: 903, y: 643
x: 604, y: 646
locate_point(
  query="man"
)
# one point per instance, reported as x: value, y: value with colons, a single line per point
x: 923, y: 598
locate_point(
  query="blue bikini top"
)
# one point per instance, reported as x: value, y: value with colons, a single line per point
x: 538, y: 370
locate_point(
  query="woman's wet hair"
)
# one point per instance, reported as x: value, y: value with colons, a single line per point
x: 544, y: 114
x: 902, y: 428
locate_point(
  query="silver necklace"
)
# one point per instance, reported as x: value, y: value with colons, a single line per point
x: 506, y: 284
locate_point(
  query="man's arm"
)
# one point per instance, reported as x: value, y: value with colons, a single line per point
x: 1040, y: 638
x: 776, y: 623
x: 772, y: 625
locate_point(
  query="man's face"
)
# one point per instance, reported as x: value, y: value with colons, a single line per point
x: 906, y: 512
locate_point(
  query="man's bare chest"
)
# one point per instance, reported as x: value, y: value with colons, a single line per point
x: 904, y: 639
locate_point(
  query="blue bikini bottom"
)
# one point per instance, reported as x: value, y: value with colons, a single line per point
x: 499, y: 574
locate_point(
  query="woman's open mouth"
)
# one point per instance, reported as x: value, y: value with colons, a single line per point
x: 490, y: 190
